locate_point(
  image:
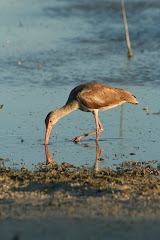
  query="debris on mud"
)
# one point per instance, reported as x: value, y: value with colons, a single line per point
x: 1, y: 106
x: 66, y: 190
x: 146, y: 109
x: 157, y: 113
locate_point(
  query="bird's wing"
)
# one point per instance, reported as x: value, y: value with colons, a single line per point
x: 98, y: 96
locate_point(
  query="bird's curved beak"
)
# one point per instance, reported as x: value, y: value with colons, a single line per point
x: 48, y: 131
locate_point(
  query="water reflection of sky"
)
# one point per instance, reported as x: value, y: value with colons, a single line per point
x: 78, y: 42
x: 53, y: 46
x: 126, y: 129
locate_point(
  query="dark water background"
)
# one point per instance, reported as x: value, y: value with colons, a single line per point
x: 49, y: 47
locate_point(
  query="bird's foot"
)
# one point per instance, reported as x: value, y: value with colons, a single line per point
x: 76, y: 139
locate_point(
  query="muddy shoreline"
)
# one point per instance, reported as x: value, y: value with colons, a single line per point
x: 64, y: 194
x: 66, y: 190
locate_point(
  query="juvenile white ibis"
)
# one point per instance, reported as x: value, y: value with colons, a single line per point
x: 89, y: 97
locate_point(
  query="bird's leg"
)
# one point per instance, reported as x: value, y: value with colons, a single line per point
x: 99, y: 129
x: 77, y: 139
x: 100, y: 126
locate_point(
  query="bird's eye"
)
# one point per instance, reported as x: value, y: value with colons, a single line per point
x: 50, y: 121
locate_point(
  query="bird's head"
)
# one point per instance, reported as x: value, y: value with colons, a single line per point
x: 50, y: 120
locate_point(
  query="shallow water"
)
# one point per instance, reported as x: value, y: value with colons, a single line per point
x: 51, y: 47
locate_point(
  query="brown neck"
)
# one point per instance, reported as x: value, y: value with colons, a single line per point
x: 66, y: 109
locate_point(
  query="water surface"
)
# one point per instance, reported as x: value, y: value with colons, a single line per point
x: 47, y: 48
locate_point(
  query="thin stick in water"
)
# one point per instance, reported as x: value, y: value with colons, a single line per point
x: 130, y: 54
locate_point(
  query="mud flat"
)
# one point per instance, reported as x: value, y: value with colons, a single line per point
x: 67, y: 202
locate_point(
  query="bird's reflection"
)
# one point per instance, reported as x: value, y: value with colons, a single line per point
x: 48, y: 155
x: 99, y: 151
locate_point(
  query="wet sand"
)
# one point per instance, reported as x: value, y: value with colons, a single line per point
x: 80, y: 228
x: 67, y: 202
